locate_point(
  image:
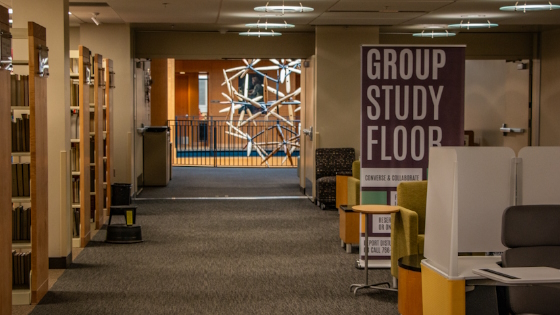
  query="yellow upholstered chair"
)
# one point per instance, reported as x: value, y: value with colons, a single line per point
x: 349, y: 220
x: 354, y: 185
x: 408, y: 225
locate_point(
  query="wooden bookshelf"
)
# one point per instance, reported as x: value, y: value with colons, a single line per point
x: 37, y: 157
x: 39, y: 165
x: 109, y: 86
x: 80, y: 74
x: 6, y: 184
x: 99, y: 88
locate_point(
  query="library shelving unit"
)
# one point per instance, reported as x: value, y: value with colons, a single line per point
x: 34, y: 93
x: 5, y: 168
x: 80, y: 75
x: 99, y: 133
x: 109, y: 86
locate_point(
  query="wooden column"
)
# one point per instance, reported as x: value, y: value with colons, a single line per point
x: 6, y: 183
x: 39, y: 165
x: 85, y: 209
x: 98, y: 120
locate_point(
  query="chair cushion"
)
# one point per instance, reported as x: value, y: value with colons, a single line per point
x: 542, y: 230
x: 326, y: 189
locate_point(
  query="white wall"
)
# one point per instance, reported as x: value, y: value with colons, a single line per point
x: 114, y: 41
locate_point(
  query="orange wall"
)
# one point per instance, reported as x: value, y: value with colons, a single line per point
x: 159, y: 92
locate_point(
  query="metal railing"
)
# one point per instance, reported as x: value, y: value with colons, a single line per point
x: 224, y: 143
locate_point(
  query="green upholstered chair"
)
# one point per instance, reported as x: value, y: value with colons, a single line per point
x: 408, y: 225
x: 354, y: 185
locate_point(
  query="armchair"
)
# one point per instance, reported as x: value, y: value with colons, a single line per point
x: 408, y: 225
x: 328, y: 163
x: 349, y: 221
x: 531, y: 234
x: 354, y: 185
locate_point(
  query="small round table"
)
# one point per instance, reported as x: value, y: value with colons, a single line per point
x: 410, y: 285
x: 368, y: 210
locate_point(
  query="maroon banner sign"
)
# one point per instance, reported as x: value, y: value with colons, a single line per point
x: 412, y: 99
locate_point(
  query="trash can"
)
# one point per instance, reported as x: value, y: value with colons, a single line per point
x: 156, y: 156
x: 120, y: 194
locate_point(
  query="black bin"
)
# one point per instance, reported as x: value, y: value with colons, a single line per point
x: 120, y: 194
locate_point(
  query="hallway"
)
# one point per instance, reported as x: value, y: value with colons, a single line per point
x: 220, y: 257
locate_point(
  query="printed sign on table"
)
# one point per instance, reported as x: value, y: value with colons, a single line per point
x: 412, y: 99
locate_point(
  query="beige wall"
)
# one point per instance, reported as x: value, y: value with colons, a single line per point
x: 496, y: 93
x: 550, y: 89
x: 503, y: 46
x: 114, y: 41
x: 53, y: 15
x: 200, y: 45
x: 338, y: 84
x: 74, y: 38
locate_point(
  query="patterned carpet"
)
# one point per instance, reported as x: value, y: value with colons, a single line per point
x: 220, y: 257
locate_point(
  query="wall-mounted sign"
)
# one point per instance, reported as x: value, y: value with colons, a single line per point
x: 5, y: 50
x: 43, y: 61
x: 412, y: 99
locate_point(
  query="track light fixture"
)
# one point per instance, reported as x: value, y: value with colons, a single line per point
x: 94, y: 19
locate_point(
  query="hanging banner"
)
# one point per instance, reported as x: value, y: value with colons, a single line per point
x: 412, y: 99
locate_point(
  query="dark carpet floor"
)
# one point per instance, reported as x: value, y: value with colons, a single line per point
x: 233, y: 182
x: 221, y: 257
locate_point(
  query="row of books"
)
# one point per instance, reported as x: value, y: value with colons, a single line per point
x: 75, y: 190
x: 75, y: 124
x: 20, y: 134
x: 21, y: 267
x: 19, y: 85
x: 21, y: 224
x: 76, y: 225
x: 75, y: 155
x: 20, y: 179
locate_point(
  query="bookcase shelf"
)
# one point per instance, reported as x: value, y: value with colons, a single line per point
x: 21, y: 153
x: 80, y: 66
x: 34, y: 94
x: 108, y: 111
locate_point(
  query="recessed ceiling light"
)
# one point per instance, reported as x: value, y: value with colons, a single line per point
x: 10, y: 21
x: 468, y: 25
x: 433, y: 34
x: 531, y: 7
x: 69, y: 13
x: 10, y: 11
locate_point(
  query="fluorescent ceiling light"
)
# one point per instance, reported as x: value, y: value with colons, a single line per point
x: 260, y: 33
x: 283, y: 8
x: 182, y: 72
x: 470, y: 25
x: 531, y: 7
x: 433, y: 34
x: 267, y: 25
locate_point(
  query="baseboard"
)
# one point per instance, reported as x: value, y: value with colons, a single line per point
x: 302, y: 190
x: 60, y: 262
